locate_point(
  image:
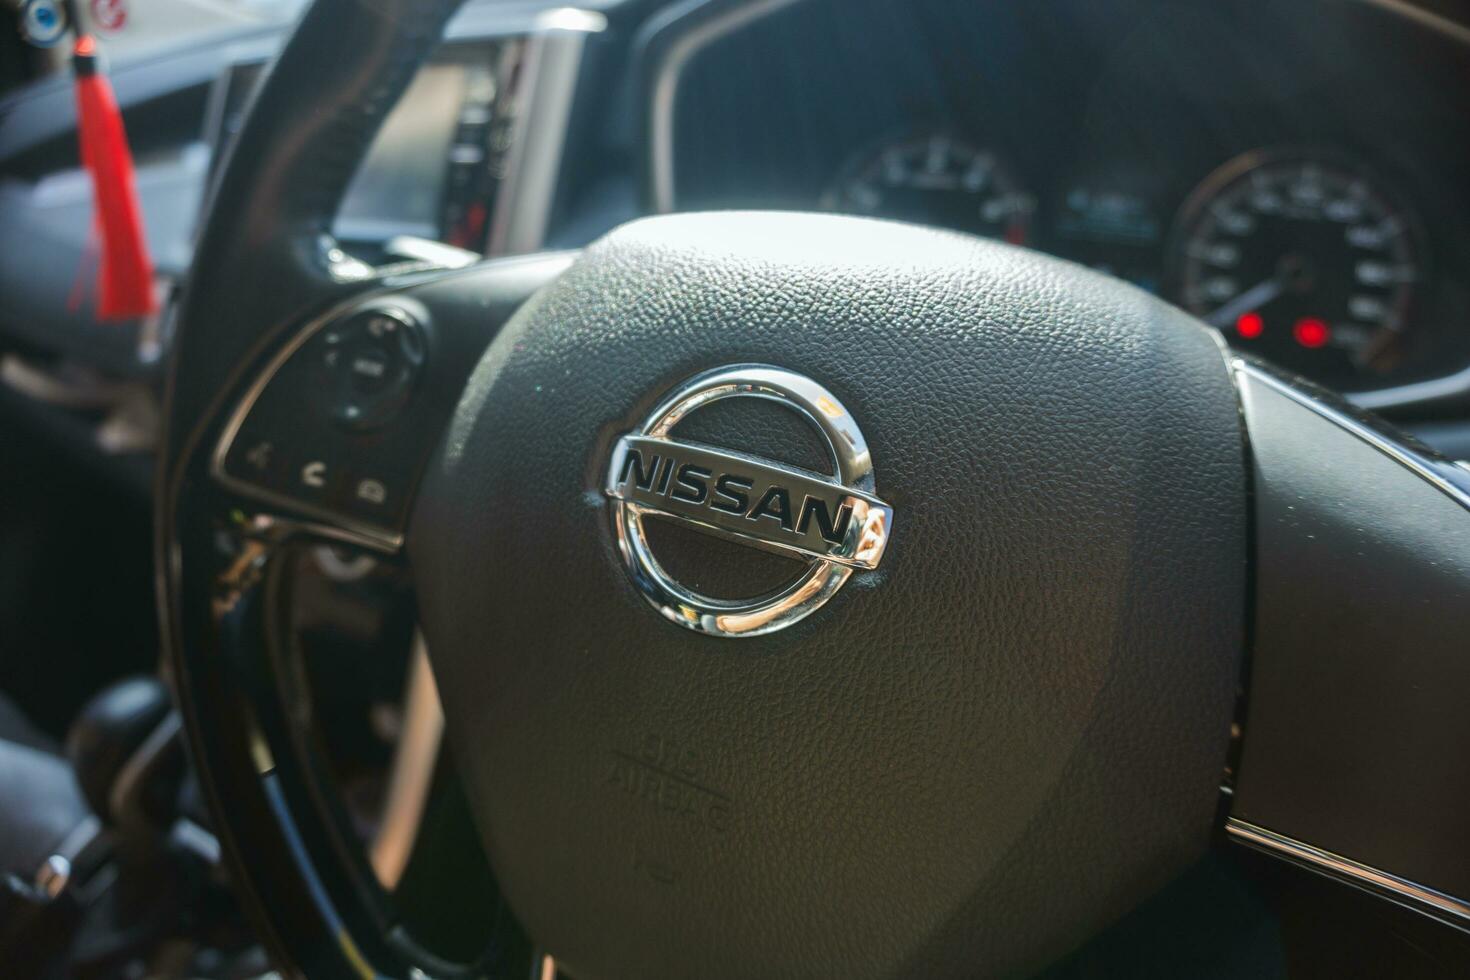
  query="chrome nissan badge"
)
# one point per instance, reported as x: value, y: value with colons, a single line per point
x: 836, y: 524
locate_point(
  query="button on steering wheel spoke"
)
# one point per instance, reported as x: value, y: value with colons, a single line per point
x: 337, y: 427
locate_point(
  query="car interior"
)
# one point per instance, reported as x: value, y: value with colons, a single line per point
x: 604, y: 489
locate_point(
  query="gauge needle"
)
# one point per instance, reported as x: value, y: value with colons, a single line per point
x: 1258, y: 295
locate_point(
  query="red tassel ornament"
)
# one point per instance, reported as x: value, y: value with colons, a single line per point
x: 125, y: 272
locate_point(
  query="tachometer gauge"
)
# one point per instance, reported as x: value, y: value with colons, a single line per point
x: 1305, y: 258
x: 935, y: 180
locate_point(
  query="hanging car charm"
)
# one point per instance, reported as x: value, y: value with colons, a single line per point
x: 43, y: 22
x: 125, y: 271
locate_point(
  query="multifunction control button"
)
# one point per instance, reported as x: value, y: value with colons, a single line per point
x: 337, y: 428
x: 371, y: 362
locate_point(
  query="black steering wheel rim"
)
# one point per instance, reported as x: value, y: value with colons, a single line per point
x: 267, y: 224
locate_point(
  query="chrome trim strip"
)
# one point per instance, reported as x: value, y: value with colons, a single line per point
x: 1450, y: 478
x: 196, y: 840
x: 1435, y: 389
x: 412, y: 771
x: 666, y: 88
x: 435, y: 255
x: 1427, y: 19
x: 55, y: 873
x: 125, y: 784
x: 551, y: 64
x: 1420, y: 897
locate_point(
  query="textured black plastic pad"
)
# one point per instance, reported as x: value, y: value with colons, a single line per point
x: 1356, y: 734
x: 971, y: 758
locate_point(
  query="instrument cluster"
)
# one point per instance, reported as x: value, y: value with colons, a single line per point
x: 1307, y: 257
x: 1289, y: 173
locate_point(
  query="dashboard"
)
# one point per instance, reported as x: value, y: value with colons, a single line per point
x: 434, y: 166
x: 441, y: 170
x: 1290, y: 173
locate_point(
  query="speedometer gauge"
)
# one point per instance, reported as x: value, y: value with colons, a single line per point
x: 1305, y: 258
x: 935, y: 180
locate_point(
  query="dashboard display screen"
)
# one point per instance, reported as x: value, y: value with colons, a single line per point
x: 399, y: 188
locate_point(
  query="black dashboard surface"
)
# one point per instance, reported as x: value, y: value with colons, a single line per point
x: 1104, y: 121
x: 1099, y: 126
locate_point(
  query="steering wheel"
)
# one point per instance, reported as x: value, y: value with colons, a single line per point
x: 808, y: 595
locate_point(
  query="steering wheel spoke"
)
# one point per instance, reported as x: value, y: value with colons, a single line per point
x: 1352, y: 760
x: 265, y: 711
x: 333, y: 433
x: 355, y: 398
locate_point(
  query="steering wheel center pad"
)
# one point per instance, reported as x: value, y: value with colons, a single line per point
x: 975, y: 755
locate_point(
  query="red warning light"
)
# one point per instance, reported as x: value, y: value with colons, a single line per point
x: 1249, y: 326
x: 1311, y: 332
